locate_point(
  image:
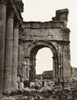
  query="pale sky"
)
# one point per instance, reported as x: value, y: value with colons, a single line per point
x: 44, y: 60
x: 44, y: 10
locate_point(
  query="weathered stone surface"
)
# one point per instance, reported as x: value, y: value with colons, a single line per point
x: 20, y: 52
x: 54, y: 35
x: 2, y: 43
x: 61, y: 15
x: 8, y: 55
x: 45, y: 34
x: 15, y: 57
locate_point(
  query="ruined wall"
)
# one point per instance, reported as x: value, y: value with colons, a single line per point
x: 52, y: 34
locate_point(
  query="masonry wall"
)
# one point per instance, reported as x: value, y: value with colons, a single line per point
x: 44, y: 33
x: 53, y: 33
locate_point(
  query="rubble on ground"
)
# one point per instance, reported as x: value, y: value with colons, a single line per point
x: 46, y: 91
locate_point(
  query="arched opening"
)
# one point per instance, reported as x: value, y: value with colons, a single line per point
x: 44, y: 60
x: 44, y: 64
x: 53, y: 62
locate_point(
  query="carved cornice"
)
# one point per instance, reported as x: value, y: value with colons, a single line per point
x: 63, y: 42
x: 43, y: 25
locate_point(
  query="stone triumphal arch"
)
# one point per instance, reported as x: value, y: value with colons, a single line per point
x: 20, y: 42
x: 54, y: 35
x: 30, y: 57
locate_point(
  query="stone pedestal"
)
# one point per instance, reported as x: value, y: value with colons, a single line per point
x: 8, y: 53
x: 15, y: 56
x: 2, y: 42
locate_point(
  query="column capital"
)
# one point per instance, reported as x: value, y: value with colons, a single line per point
x: 10, y: 14
x: 16, y: 25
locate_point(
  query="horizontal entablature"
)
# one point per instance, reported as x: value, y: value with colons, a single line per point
x: 45, y: 34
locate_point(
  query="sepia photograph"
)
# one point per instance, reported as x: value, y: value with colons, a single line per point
x: 38, y: 50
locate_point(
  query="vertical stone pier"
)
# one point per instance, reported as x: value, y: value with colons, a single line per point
x: 27, y: 68
x: 66, y: 63
x: 15, y: 56
x: 8, y: 53
x: 54, y: 69
x: 2, y: 42
x: 32, y: 69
